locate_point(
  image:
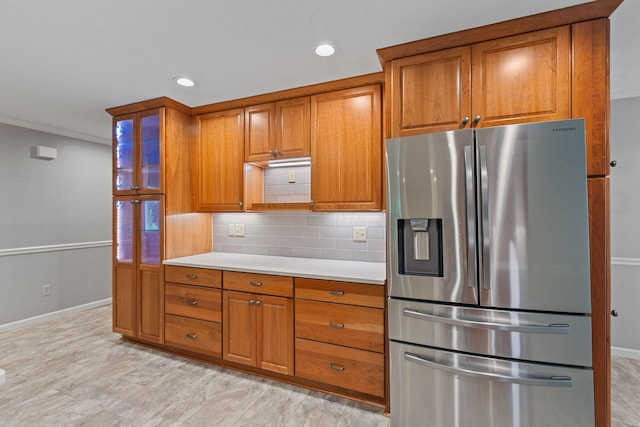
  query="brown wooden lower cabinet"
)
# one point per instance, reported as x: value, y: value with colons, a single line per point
x: 199, y: 336
x: 344, y: 367
x: 330, y: 337
x: 258, y: 331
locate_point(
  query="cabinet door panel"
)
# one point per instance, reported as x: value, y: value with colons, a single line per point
x: 293, y: 132
x: 259, y: 123
x: 431, y: 92
x: 524, y: 78
x: 124, y: 154
x: 346, y: 150
x: 220, y: 161
x: 151, y: 304
x: 151, y: 155
x: 124, y: 300
x: 239, y: 337
x: 275, y: 334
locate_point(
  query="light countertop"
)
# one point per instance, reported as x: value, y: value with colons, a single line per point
x: 327, y: 269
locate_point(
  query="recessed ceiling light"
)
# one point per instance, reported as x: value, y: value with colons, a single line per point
x: 325, y: 50
x: 184, y: 81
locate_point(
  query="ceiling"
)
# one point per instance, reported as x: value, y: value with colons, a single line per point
x: 62, y: 63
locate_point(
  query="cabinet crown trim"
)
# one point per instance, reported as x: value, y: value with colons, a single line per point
x: 555, y: 18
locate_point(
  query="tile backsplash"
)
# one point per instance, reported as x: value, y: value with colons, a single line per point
x: 302, y: 234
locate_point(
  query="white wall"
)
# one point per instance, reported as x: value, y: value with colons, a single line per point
x: 625, y: 226
x: 50, y: 211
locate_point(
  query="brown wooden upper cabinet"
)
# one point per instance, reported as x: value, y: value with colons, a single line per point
x: 277, y: 130
x: 346, y: 149
x: 517, y: 79
x: 220, y: 161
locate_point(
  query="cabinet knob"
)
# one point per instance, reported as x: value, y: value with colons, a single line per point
x: 613, y: 163
x: 258, y: 302
x: 240, y: 204
x: 273, y: 152
x: 251, y: 302
x: 135, y: 187
x: 476, y: 119
x: 465, y: 120
x: 135, y: 201
x: 614, y: 313
x: 312, y: 203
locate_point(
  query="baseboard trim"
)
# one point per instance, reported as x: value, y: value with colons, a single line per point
x: 53, y: 315
x: 625, y: 352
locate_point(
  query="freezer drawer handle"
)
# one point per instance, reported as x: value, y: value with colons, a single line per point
x: 549, y: 381
x: 553, y: 328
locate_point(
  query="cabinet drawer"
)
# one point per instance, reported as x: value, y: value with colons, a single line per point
x: 193, y: 276
x: 193, y: 335
x: 340, y: 292
x: 352, y: 369
x: 360, y: 327
x: 193, y: 301
x: 265, y: 284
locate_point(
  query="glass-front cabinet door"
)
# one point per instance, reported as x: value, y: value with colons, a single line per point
x: 137, y: 153
x: 138, y: 292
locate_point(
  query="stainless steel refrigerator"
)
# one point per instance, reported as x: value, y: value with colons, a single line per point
x: 489, y: 286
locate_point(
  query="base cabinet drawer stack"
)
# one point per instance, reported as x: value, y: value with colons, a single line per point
x: 193, y: 309
x: 340, y: 334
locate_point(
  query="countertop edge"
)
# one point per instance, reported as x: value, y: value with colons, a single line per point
x: 310, y: 273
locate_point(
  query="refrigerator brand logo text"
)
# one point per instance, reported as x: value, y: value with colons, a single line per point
x: 567, y: 129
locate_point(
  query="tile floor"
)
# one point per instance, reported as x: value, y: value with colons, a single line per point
x: 74, y: 371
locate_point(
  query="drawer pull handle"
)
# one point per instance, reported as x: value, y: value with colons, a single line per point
x: 336, y: 367
x: 191, y: 302
x: 191, y: 336
x: 336, y: 325
x: 336, y: 292
x: 192, y: 276
x: 255, y: 283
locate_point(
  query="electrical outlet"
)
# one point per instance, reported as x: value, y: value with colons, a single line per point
x: 292, y: 176
x: 232, y: 230
x: 359, y: 234
x: 46, y: 290
x: 239, y: 230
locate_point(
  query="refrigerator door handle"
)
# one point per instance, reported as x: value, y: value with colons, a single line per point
x: 485, y: 231
x: 559, y: 328
x: 471, y: 217
x: 538, y: 380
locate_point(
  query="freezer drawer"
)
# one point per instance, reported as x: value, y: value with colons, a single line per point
x: 541, y: 337
x: 437, y: 388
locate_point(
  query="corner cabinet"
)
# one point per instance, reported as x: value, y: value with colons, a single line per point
x: 152, y: 161
x: 346, y: 150
x: 220, y: 161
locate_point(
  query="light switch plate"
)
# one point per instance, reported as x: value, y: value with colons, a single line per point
x: 359, y: 234
x: 232, y: 230
x: 292, y: 176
